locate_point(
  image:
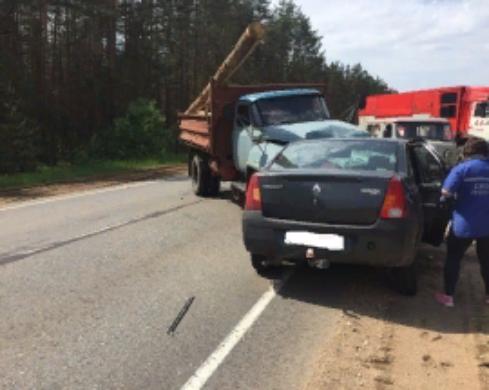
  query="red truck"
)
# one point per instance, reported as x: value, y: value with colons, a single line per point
x: 466, y: 108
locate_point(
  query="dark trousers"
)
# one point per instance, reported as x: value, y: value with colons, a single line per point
x: 456, y: 248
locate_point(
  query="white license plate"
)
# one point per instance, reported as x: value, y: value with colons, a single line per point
x: 333, y: 242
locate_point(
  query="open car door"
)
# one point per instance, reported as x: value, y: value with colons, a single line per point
x: 430, y: 172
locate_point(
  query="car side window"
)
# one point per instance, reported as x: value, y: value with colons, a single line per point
x: 428, y: 168
x: 243, y: 116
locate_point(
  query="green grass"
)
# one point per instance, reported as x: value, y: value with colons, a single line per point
x: 65, y: 173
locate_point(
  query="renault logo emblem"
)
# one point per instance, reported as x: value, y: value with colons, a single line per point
x: 316, y: 190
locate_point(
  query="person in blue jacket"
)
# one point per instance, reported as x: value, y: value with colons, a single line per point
x: 467, y: 188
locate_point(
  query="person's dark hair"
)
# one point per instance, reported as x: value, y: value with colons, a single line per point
x: 476, y: 146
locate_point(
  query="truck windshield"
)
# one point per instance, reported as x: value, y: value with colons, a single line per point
x: 482, y: 110
x: 427, y: 130
x: 292, y: 109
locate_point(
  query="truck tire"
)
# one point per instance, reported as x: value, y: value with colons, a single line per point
x: 204, y: 183
x: 213, y: 185
x: 199, y: 173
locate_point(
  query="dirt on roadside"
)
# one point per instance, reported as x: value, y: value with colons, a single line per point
x: 386, y: 341
x: 41, y: 191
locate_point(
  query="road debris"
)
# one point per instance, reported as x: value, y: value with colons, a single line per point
x: 173, y: 327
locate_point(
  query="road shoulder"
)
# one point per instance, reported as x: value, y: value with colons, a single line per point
x: 18, y: 195
x: 388, y: 341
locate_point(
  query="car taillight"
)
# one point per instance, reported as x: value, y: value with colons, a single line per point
x: 253, y: 194
x: 395, y: 200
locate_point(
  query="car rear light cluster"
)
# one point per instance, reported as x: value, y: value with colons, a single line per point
x: 253, y: 194
x: 394, y: 206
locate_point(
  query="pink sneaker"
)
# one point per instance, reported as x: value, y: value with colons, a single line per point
x: 444, y: 299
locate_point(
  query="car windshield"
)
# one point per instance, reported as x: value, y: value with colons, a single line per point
x: 292, y: 109
x: 367, y: 155
x: 427, y: 130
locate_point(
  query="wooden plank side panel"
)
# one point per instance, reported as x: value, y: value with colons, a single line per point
x: 195, y: 132
x: 195, y: 140
x: 195, y: 126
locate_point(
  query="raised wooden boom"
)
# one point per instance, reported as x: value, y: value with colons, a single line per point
x: 246, y: 44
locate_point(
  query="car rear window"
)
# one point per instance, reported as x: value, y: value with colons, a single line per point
x: 338, y: 154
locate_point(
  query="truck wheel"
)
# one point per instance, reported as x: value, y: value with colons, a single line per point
x: 405, y: 279
x: 267, y: 271
x: 204, y: 183
x: 199, y: 172
x: 213, y: 185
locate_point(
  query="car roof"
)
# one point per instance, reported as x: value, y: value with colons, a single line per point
x: 253, y: 97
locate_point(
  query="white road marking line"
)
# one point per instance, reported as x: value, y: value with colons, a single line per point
x: 77, y: 195
x: 216, y: 358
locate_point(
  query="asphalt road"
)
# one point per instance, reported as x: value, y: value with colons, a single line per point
x: 90, y: 283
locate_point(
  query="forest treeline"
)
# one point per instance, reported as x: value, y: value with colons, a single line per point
x: 106, y: 78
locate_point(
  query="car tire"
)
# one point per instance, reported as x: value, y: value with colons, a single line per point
x: 265, y: 270
x: 204, y: 183
x: 406, y: 280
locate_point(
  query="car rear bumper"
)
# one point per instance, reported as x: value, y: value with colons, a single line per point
x: 385, y: 243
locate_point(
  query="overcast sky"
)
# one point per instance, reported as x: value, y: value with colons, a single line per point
x: 409, y: 43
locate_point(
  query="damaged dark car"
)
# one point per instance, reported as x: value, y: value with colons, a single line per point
x: 357, y: 201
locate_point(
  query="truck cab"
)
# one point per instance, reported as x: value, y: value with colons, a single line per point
x: 465, y: 107
x: 436, y: 131
x: 266, y: 121
x: 232, y: 131
x: 479, y: 120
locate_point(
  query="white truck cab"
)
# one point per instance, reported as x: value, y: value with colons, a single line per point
x: 437, y: 131
x: 433, y: 129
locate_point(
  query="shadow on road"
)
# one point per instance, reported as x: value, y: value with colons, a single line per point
x: 364, y: 291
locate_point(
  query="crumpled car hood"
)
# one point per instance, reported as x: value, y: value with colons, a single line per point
x: 312, y: 130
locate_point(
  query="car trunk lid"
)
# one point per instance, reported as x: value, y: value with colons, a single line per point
x: 333, y: 197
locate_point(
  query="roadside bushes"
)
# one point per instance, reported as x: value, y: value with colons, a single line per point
x: 18, y: 141
x: 139, y: 133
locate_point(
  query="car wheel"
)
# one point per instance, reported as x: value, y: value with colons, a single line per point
x: 262, y: 268
x: 406, y: 280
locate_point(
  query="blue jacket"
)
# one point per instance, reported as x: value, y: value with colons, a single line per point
x: 468, y: 182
